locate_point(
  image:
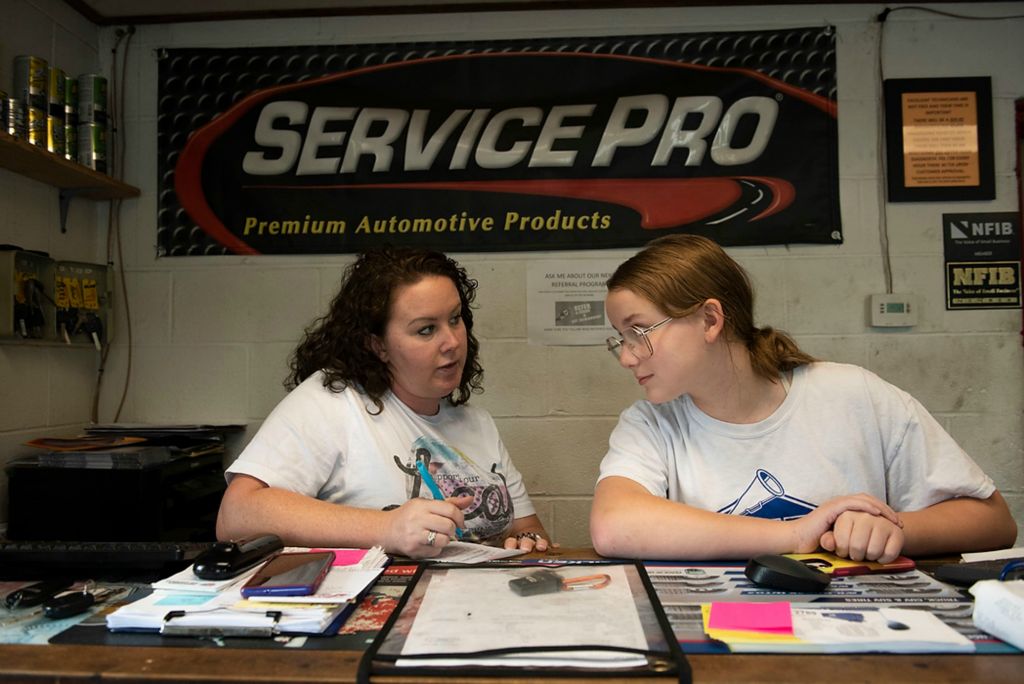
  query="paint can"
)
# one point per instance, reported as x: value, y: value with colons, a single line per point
x: 92, y: 146
x: 71, y: 118
x: 92, y: 99
x: 55, y: 115
x: 31, y: 75
x: 35, y: 126
x: 13, y: 116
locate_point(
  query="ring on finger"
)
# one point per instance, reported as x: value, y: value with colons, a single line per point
x: 431, y: 535
x: 528, y: 535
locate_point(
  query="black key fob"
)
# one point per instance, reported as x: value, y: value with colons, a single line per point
x: 539, y: 582
x: 69, y: 604
x: 35, y: 594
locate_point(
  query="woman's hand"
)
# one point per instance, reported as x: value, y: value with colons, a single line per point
x: 420, y: 528
x: 527, y: 541
x: 810, y: 531
x: 527, y: 534
x: 862, y: 536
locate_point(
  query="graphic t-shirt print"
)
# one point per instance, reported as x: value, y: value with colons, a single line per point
x: 765, y: 497
x: 491, y: 512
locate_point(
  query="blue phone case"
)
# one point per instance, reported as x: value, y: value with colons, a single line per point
x: 289, y: 574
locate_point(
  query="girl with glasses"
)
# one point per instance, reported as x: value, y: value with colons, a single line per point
x: 375, y: 443
x: 746, y: 445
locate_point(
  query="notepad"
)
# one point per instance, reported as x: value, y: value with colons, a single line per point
x: 773, y: 618
x: 819, y: 629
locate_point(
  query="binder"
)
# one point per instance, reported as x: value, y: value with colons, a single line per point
x: 599, y: 620
x: 204, y: 615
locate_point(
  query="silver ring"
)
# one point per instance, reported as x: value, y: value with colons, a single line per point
x: 529, y: 535
x: 431, y: 535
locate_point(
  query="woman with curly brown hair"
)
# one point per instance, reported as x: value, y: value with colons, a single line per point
x: 377, y: 424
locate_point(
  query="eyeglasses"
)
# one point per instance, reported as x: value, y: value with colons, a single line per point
x: 634, y: 338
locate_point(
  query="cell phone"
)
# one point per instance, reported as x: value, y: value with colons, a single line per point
x: 225, y: 560
x: 836, y: 566
x: 290, y: 574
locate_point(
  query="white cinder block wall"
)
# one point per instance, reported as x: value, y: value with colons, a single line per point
x: 45, y: 390
x: 211, y: 335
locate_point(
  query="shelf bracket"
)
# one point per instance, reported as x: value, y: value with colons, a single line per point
x: 66, y: 195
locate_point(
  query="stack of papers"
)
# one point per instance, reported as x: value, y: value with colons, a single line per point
x: 185, y: 604
x: 999, y: 609
x: 226, y: 613
x: 787, y: 628
x: 469, y: 552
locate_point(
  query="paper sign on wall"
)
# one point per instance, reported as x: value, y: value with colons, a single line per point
x: 565, y: 301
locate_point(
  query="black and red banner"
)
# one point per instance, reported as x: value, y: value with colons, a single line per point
x: 575, y: 143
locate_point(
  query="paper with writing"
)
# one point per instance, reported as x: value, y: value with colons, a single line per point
x: 469, y: 610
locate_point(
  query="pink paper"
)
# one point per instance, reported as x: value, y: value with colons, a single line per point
x: 346, y: 556
x: 771, y: 618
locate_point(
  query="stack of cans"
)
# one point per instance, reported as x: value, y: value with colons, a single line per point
x: 55, y: 114
x: 71, y: 118
x: 60, y: 113
x: 31, y: 76
x: 12, y: 116
x: 92, y: 121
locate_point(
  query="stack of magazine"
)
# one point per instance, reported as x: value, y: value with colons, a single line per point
x: 185, y: 605
x: 130, y: 446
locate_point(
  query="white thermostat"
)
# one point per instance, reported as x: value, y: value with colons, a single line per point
x: 893, y: 310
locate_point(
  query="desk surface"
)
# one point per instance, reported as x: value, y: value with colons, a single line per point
x: 94, y: 663
x: 63, y: 663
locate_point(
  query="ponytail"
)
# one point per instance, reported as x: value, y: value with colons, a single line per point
x: 773, y: 352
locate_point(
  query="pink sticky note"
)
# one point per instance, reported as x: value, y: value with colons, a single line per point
x: 773, y: 618
x: 346, y: 556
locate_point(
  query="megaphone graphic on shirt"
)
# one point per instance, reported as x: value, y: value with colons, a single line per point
x: 763, y: 489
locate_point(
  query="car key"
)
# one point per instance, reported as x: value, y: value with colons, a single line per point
x: 78, y: 601
x: 35, y: 594
x: 66, y: 605
x: 539, y: 582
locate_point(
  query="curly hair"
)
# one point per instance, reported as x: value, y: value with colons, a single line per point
x: 679, y: 272
x: 339, y: 342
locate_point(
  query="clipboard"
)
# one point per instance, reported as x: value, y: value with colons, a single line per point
x: 598, y: 620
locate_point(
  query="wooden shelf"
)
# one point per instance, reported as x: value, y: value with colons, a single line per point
x: 38, y: 164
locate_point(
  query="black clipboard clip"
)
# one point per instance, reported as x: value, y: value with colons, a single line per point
x: 168, y: 628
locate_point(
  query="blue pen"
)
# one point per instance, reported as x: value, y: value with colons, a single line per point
x: 434, y: 489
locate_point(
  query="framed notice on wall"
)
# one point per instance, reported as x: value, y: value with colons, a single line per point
x: 939, y: 139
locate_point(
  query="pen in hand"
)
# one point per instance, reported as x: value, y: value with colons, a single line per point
x: 434, y: 489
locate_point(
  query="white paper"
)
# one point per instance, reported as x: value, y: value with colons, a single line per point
x: 1017, y: 552
x: 565, y: 301
x: 890, y: 630
x: 469, y: 552
x: 149, y: 611
x: 187, y: 582
x: 469, y: 610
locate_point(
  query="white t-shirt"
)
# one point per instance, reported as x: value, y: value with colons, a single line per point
x: 841, y: 430
x: 327, y: 445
